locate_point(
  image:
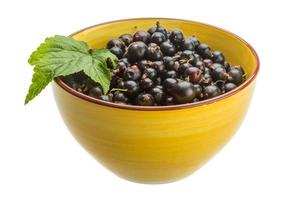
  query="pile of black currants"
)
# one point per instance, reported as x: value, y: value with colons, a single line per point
x: 161, y: 67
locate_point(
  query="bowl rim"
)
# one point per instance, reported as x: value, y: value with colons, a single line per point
x: 169, y: 107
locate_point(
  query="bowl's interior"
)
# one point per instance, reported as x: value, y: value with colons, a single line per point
x: 236, y: 51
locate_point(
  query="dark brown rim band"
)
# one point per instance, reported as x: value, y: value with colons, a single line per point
x: 172, y: 107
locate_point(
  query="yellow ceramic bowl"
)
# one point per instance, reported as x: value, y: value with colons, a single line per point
x: 158, y: 144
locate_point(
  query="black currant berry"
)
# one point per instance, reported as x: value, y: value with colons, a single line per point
x: 193, y: 74
x: 132, y: 88
x: 195, y: 41
x: 219, y: 73
x: 183, y: 92
x: 182, y: 69
x: 104, y: 98
x: 168, y: 48
x: 126, y: 38
x: 227, y: 65
x: 146, y: 84
x: 207, y: 62
x: 204, y: 50
x: 116, y: 51
x: 197, y: 57
x: 116, y: 43
x: 229, y: 86
x: 169, y: 62
x: 170, y: 74
x: 218, y: 57
x: 176, y: 37
x: 120, y: 97
x: 152, y: 30
x: 235, y: 75
x: 142, y: 36
x: 114, y: 81
x: 154, y: 53
x: 95, y: 92
x: 136, y: 51
x: 158, y: 38
x: 120, y: 83
x: 168, y: 84
x: 143, y: 64
x: 206, y: 79
x: 169, y: 100
x: 200, y: 64
x: 176, y: 66
x: 187, y: 54
x: 188, y: 44
x: 132, y: 73
x: 158, y: 94
x: 198, y: 90
x: 121, y: 66
x: 216, y: 65
x: 125, y: 61
x: 211, y: 91
x: 145, y: 99
x: 158, y: 28
x: 160, y: 67
x: 150, y: 73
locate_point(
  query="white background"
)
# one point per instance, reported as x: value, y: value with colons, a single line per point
x: 39, y: 159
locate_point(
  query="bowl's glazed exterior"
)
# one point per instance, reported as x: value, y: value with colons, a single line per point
x: 158, y: 144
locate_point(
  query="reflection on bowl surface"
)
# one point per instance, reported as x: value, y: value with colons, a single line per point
x: 158, y: 144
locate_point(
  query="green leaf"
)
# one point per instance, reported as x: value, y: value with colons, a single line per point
x: 41, y: 78
x: 58, y: 44
x: 64, y: 62
x: 62, y: 56
x: 99, y: 73
x: 104, y: 55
